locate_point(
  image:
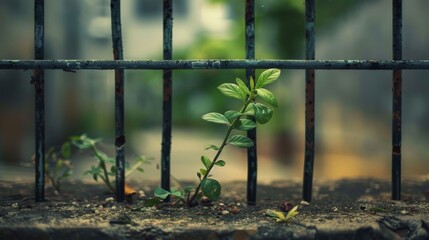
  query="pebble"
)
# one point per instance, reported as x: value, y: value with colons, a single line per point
x: 110, y: 199
x: 142, y: 194
x: 88, y: 205
x: 335, y: 209
x: 113, y: 207
x: 304, y: 203
x: 225, y: 212
x: 238, y: 204
x: 404, y: 212
x: 221, y: 204
x: 96, y: 211
x: 15, y: 205
x: 235, y: 210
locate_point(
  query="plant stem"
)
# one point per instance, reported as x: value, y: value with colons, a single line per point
x: 103, y: 166
x: 219, y: 151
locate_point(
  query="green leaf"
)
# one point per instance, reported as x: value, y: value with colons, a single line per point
x: 177, y: 193
x: 81, y: 145
x: 246, y: 124
x: 249, y: 111
x: 161, y: 193
x: 59, y: 164
x: 263, y: 113
x: 232, y: 90
x: 206, y: 161
x: 188, y: 189
x: 211, y: 188
x: 252, y: 83
x: 203, y: 171
x: 231, y: 115
x: 292, y: 213
x: 242, y: 86
x: 103, y: 157
x: 240, y: 141
x: 276, y: 214
x: 211, y: 147
x: 66, y: 150
x: 220, y: 163
x: 83, y: 141
x: 152, y: 202
x: 268, y: 76
x: 216, y: 118
x: 267, y: 96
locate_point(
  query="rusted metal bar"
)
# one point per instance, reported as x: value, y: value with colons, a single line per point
x: 216, y: 64
x: 167, y: 95
x: 397, y: 101
x: 252, y: 157
x: 39, y: 82
x: 309, y: 101
x: 115, y: 6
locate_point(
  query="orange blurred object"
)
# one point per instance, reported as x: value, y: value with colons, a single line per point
x: 129, y: 191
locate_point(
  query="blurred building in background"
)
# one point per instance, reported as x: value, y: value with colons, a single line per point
x: 353, y: 108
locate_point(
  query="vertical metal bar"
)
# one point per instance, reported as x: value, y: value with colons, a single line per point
x: 252, y: 158
x: 167, y: 95
x: 397, y: 101
x: 115, y: 6
x: 39, y: 82
x: 309, y: 101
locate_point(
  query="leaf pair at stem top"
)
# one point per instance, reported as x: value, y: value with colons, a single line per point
x: 245, y: 119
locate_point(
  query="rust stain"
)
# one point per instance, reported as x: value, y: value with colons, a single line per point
x: 120, y: 141
x: 396, y: 150
x: 309, y: 98
x: 397, y: 83
x: 397, y: 115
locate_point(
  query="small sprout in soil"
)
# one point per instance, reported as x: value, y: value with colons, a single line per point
x: 280, y: 216
x: 106, y: 164
x: 57, y: 165
x: 245, y: 119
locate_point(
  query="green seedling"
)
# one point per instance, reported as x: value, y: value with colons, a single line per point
x: 245, y: 119
x: 106, y: 164
x: 58, y: 166
x: 281, y: 217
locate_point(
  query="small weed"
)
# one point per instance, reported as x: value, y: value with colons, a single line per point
x: 281, y: 217
x: 245, y: 119
x: 57, y: 165
x: 106, y: 164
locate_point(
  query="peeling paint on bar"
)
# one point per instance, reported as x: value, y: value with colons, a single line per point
x: 216, y: 64
x: 119, y: 100
x: 38, y: 80
x: 309, y: 102
x: 396, y: 100
x: 167, y: 95
x: 252, y: 156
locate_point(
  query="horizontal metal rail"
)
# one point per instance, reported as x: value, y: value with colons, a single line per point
x: 216, y: 64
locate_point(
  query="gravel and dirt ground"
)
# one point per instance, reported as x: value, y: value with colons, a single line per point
x: 345, y: 209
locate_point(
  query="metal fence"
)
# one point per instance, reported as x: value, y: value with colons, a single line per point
x: 249, y: 64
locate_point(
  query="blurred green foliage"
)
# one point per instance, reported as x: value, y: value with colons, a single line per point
x: 280, y: 34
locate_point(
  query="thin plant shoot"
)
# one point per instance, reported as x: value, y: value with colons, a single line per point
x: 246, y: 118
